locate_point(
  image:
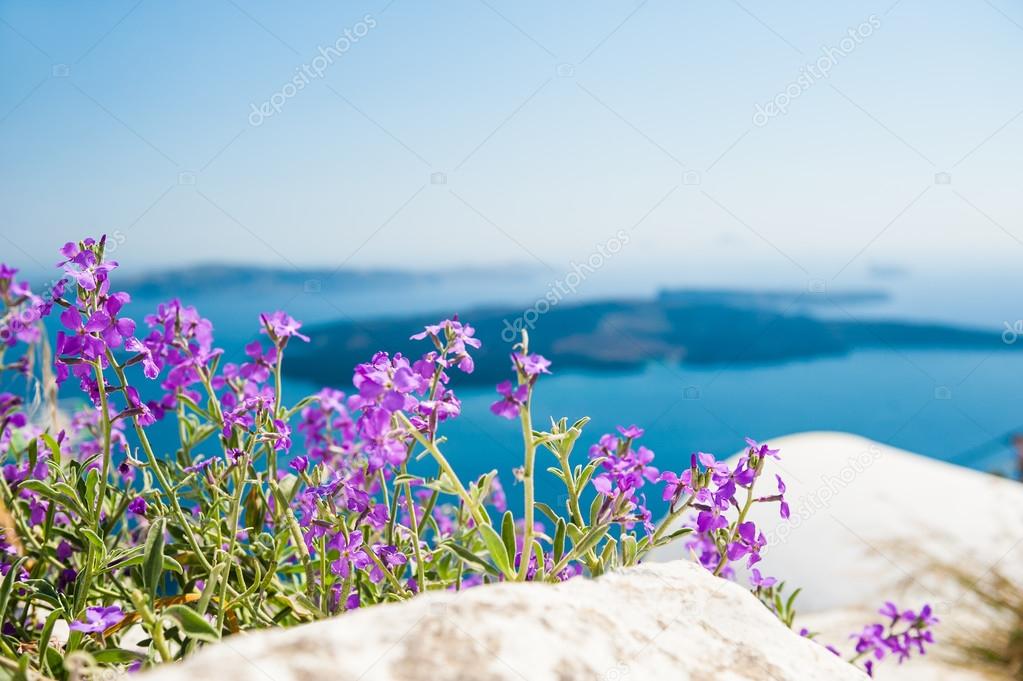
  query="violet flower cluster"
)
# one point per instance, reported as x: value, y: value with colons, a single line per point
x: 270, y: 514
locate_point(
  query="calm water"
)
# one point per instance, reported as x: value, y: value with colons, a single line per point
x: 954, y: 406
x: 946, y: 405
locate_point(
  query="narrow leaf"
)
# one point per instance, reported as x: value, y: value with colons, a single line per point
x: 192, y: 623
x: 152, y: 565
x: 496, y: 547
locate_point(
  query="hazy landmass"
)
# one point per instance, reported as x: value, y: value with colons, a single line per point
x: 691, y: 327
x: 209, y: 278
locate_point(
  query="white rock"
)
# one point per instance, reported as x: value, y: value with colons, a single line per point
x: 666, y: 621
x: 868, y: 524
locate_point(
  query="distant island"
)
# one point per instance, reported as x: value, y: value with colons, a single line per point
x: 204, y: 279
x: 689, y: 327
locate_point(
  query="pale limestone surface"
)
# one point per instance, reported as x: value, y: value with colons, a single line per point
x: 868, y: 523
x: 671, y: 621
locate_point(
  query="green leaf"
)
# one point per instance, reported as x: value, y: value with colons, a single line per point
x: 192, y: 623
x: 590, y: 539
x: 95, y: 540
x: 8, y: 585
x: 547, y: 511
x: 609, y: 556
x: 508, y: 535
x: 152, y: 564
x: 668, y: 538
x: 595, y: 508
x: 54, y: 448
x: 471, y: 559
x: 557, y: 472
x: 47, y: 632
x: 630, y: 549
x: 22, y: 673
x: 117, y: 656
x: 216, y: 574
x: 43, y: 590
x: 497, y: 551
x: 91, y: 489
x: 584, y: 475
x: 559, y: 540
x: 33, y: 454
x: 540, y: 571
x: 62, y: 498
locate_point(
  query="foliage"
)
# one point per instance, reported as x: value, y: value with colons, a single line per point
x: 267, y: 514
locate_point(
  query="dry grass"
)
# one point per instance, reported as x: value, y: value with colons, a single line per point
x: 993, y: 641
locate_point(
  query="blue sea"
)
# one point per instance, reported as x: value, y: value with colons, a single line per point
x: 954, y: 406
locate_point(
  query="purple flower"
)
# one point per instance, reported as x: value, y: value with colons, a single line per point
x: 761, y: 582
x: 387, y: 383
x: 299, y: 464
x: 390, y: 556
x: 531, y: 365
x: 676, y: 485
x: 513, y: 399
x: 281, y: 326
x: 878, y: 641
x: 452, y: 338
x: 632, y: 432
x: 279, y: 436
x: 137, y: 506
x: 748, y: 542
x: 105, y: 322
x: 755, y: 448
x: 625, y: 471
x: 350, y: 552
x: 99, y: 619
x: 200, y: 464
x: 783, y: 506
x: 145, y: 355
x: 64, y: 550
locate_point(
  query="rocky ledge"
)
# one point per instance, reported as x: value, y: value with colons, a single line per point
x: 657, y: 621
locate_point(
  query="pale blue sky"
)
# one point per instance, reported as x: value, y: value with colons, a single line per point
x: 554, y: 126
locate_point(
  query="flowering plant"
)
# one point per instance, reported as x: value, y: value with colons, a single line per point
x: 268, y: 514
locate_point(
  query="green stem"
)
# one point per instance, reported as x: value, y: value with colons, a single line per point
x: 107, y: 428
x: 477, y: 513
x: 740, y: 520
x: 414, y: 522
x: 239, y: 489
x: 527, y: 486
x: 669, y: 521
x: 165, y: 485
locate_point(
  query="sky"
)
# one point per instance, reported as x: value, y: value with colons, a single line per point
x: 798, y: 143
